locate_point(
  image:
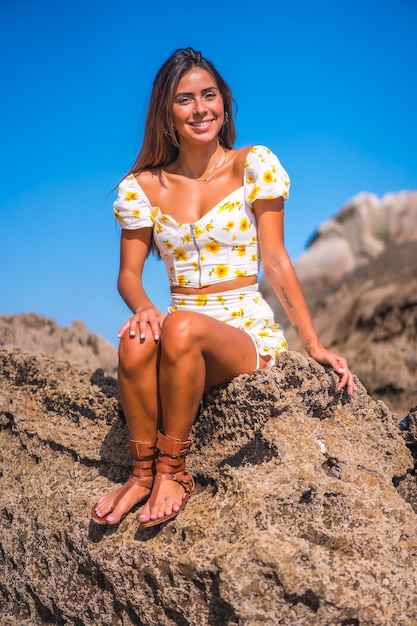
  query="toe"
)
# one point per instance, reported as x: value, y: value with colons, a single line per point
x: 145, y: 515
x: 98, y: 512
x: 112, y: 519
x: 114, y: 516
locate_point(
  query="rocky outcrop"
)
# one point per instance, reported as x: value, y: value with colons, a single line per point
x: 359, y: 232
x: 304, y: 511
x: 359, y: 276
x: 41, y: 335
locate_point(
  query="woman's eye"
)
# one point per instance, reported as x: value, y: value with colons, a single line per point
x: 210, y: 95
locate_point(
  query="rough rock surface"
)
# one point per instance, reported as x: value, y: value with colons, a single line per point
x: 35, y: 333
x: 359, y: 276
x: 304, y: 512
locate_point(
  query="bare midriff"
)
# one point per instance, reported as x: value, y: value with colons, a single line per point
x: 227, y: 285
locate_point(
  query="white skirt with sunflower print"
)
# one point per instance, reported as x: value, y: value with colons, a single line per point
x: 242, y: 308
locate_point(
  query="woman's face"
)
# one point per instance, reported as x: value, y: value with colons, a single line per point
x: 198, y: 110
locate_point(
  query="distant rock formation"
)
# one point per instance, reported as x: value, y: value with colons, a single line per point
x: 35, y: 333
x: 360, y: 232
x: 359, y: 275
x: 305, y: 511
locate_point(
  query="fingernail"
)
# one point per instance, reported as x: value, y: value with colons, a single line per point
x: 142, y: 335
x: 132, y: 333
x: 156, y: 337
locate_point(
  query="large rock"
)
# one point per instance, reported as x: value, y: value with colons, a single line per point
x: 304, y: 512
x: 34, y: 333
x: 359, y: 276
x: 358, y: 233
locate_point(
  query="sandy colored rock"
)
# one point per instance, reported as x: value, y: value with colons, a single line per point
x: 41, y: 335
x: 359, y: 276
x: 299, y: 516
x: 358, y: 233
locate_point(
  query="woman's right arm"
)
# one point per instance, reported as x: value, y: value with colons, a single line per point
x: 133, y: 252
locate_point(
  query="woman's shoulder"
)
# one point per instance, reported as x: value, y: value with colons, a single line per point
x: 249, y: 154
x: 259, y: 151
x: 250, y: 157
x: 145, y: 181
x: 239, y: 156
x: 145, y: 176
x: 132, y: 197
x: 265, y: 177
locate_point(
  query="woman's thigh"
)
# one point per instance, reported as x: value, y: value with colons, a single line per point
x: 227, y: 351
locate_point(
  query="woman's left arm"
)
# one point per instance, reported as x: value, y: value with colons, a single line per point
x: 280, y: 273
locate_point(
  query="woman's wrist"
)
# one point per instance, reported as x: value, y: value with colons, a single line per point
x: 310, y: 341
x: 144, y: 305
x: 313, y: 347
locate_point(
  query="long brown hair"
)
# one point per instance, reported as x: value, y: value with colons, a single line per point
x: 160, y: 143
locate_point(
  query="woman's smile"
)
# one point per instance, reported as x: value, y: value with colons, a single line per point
x: 203, y: 125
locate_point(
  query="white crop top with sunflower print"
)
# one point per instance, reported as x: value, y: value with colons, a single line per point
x: 222, y: 244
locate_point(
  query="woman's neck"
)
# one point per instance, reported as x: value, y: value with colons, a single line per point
x: 199, y: 163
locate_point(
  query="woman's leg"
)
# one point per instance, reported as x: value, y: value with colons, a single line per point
x: 197, y: 352
x: 138, y: 383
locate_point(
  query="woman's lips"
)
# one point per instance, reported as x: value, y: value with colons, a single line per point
x: 201, y: 125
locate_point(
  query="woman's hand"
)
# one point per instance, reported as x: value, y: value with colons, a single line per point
x: 338, y: 363
x: 140, y: 323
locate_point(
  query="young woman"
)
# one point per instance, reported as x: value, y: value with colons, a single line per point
x: 213, y: 213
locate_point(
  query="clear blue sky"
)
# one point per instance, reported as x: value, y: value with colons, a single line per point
x: 329, y: 86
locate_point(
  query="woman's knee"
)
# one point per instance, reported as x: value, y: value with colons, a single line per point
x: 135, y: 355
x: 180, y: 332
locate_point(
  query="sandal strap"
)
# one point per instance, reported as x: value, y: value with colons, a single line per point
x: 171, y: 453
x: 141, y: 450
x: 137, y: 481
x: 144, y: 455
x: 183, y: 478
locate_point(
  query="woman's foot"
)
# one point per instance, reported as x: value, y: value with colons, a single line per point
x: 172, y: 486
x: 113, y: 506
x: 167, y: 502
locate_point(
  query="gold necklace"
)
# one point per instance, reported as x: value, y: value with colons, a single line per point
x: 211, y: 175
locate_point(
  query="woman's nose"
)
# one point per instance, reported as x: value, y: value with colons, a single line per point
x: 199, y: 106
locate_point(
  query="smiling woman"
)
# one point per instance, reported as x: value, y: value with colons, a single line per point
x: 212, y: 212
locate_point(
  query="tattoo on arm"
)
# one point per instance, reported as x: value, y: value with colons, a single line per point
x: 286, y: 297
x: 308, y: 341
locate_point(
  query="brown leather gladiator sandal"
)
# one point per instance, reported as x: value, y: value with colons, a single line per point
x: 144, y: 456
x: 170, y: 465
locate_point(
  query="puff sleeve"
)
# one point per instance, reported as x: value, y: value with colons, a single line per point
x: 265, y: 178
x: 132, y: 208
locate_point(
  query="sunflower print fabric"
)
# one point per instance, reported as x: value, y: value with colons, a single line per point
x: 221, y: 245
